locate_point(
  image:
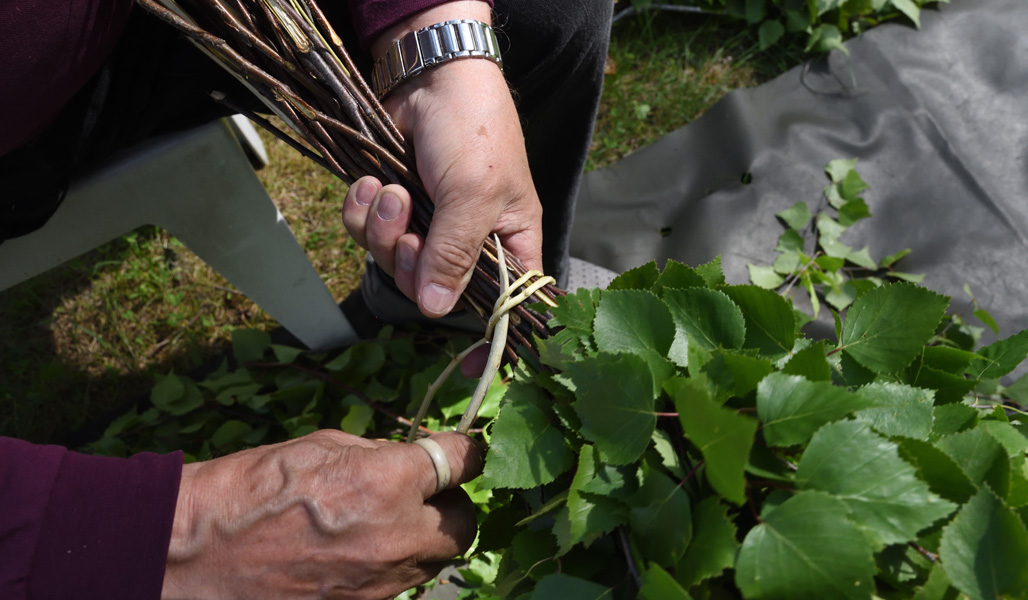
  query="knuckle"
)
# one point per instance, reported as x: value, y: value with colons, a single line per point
x: 456, y: 258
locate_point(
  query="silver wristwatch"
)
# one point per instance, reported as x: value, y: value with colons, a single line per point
x: 433, y: 45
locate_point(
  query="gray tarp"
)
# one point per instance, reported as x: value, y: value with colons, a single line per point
x: 938, y: 119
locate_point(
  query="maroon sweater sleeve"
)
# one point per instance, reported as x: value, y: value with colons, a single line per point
x: 78, y: 526
x: 48, y: 50
x: 372, y: 17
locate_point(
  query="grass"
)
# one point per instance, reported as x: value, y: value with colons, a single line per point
x: 82, y: 340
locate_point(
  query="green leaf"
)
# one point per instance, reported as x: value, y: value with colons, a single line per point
x: 790, y: 241
x: 852, y: 185
x: 796, y: 21
x: 1012, y: 440
x: 722, y: 435
x: 910, y: 277
x: 756, y: 10
x: 770, y: 322
x: 862, y: 258
x: 591, y: 513
x: 769, y: 33
x: 944, y: 358
x: 660, y: 518
x: 980, y: 456
x: 615, y: 402
x: 656, y: 584
x: 909, y: 8
x: 840, y: 168
x: 828, y: 229
x: 249, y: 344
x: 229, y: 432
x: 864, y: 470
x: 706, y: 317
x: 765, y: 277
x: 985, y: 549
x: 810, y: 363
x: 886, y: 327
x: 640, y: 278
x: 937, y: 587
x: 677, y: 275
x: 734, y: 375
x: 899, y: 410
x: 786, y: 264
x: 575, y: 312
x: 793, y: 408
x: 951, y: 418
x: 358, y: 362
x: 892, y: 259
x: 358, y: 418
x: 286, y: 354
x: 948, y: 388
x: 796, y: 216
x: 176, y: 395
x: 668, y: 454
x: 633, y: 321
x: 713, y: 545
x: 999, y: 358
x: 526, y: 449
x: 806, y: 548
x: 943, y: 476
x: 985, y: 317
x: 850, y: 213
x: 825, y: 38
x: 561, y: 587
x: 712, y: 273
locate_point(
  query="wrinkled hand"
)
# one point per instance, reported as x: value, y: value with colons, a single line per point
x: 471, y: 157
x: 329, y: 515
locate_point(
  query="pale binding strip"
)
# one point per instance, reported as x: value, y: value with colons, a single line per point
x: 495, y: 334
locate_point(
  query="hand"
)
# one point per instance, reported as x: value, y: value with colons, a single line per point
x: 329, y: 515
x: 471, y: 157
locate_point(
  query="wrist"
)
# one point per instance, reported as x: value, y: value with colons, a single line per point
x: 184, y: 547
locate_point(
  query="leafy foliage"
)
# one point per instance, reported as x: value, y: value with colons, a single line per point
x: 683, y: 438
x: 823, y: 23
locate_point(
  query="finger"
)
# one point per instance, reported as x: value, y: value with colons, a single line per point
x: 448, y: 526
x: 408, y: 251
x: 386, y: 222
x: 527, y: 246
x: 465, y: 458
x: 357, y: 206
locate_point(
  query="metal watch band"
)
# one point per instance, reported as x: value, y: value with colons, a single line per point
x: 433, y: 45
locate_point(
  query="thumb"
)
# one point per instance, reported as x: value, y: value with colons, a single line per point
x: 451, y: 250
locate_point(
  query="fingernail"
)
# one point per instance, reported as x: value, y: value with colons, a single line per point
x: 389, y: 206
x: 365, y: 194
x: 406, y: 260
x: 437, y: 299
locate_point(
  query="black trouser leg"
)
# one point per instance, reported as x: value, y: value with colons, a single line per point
x: 554, y: 58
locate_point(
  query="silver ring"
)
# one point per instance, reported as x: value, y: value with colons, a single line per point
x: 442, y: 464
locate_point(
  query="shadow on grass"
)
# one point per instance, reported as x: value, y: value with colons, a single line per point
x: 51, y: 385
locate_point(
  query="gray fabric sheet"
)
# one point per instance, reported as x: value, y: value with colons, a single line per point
x: 937, y: 117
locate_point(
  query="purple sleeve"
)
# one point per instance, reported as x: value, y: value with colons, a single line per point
x: 372, y: 17
x: 48, y: 50
x: 78, y: 526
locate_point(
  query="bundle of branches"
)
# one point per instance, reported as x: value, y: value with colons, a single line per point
x: 286, y: 52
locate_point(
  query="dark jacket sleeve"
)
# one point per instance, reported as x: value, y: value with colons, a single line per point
x: 372, y: 17
x: 78, y: 526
